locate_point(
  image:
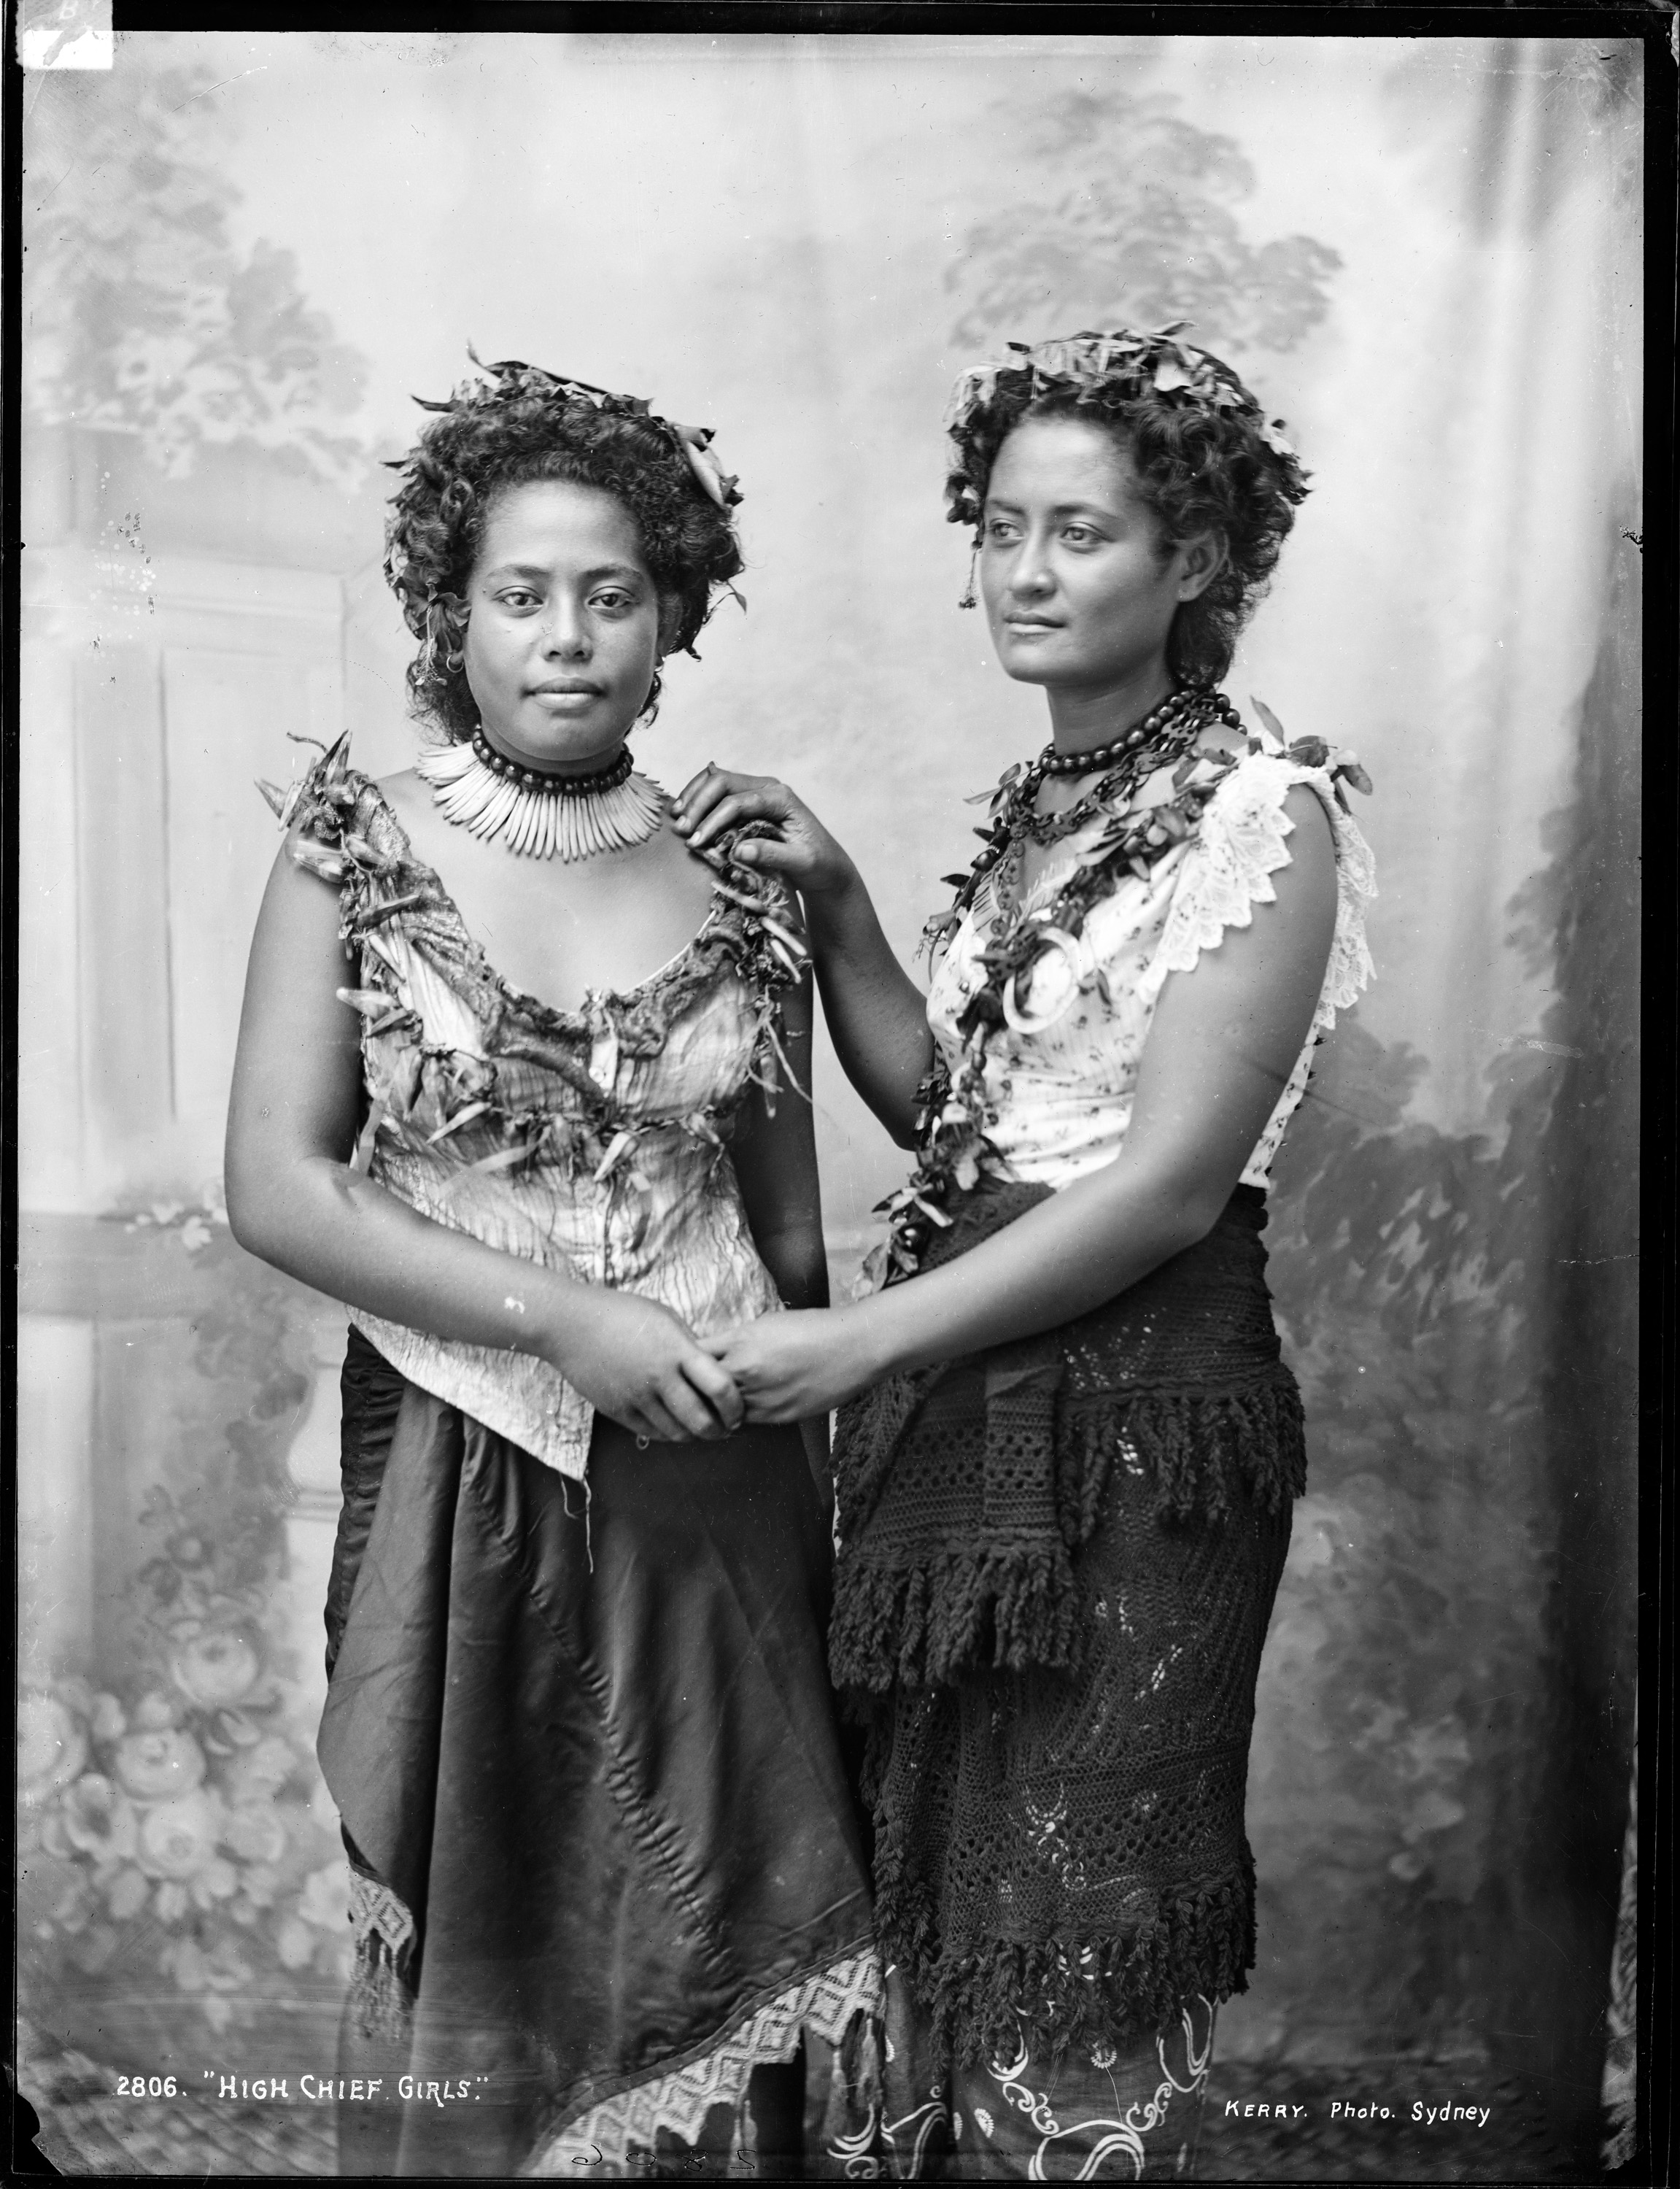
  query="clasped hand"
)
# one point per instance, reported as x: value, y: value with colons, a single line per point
x: 643, y: 1367
x: 798, y: 1365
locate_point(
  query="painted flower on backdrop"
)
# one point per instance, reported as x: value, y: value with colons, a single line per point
x: 323, y: 1908
x: 255, y: 1834
x: 177, y: 1799
x: 178, y: 1841
x: 195, y: 1224
x: 99, y: 1820
x: 216, y: 1669
x: 258, y: 1772
x: 155, y: 1766
x: 52, y: 1746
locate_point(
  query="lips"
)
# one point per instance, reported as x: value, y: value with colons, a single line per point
x: 565, y: 687
x: 1030, y: 623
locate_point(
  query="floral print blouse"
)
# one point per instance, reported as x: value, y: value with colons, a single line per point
x: 1063, y: 1089
x: 592, y: 1142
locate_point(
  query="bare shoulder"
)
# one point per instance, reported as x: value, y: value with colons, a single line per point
x: 1305, y: 808
x: 1256, y: 776
x: 411, y: 801
x: 1307, y: 886
x: 403, y: 791
x: 681, y: 867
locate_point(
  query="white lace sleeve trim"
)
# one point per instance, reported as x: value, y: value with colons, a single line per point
x: 1241, y: 843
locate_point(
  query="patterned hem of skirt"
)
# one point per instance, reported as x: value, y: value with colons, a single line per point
x: 1125, y: 2114
x: 603, y: 2138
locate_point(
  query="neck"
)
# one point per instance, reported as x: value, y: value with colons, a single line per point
x: 591, y: 764
x: 1083, y: 719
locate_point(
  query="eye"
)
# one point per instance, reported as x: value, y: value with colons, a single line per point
x: 1081, y: 536
x: 518, y: 597
x: 614, y: 599
x: 1000, y: 529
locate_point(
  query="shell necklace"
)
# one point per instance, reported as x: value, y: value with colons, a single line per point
x: 543, y: 815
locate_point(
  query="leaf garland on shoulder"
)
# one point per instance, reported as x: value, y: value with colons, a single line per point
x: 955, y: 1110
x: 755, y: 928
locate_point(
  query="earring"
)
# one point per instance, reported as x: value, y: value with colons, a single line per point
x: 968, y: 599
x: 650, y: 705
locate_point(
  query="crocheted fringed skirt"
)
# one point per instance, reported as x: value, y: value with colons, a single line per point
x: 612, y: 1906
x: 1061, y: 1866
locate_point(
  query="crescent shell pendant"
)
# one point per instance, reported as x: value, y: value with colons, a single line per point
x: 1029, y: 1021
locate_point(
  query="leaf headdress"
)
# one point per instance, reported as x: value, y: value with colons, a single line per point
x: 511, y: 381
x: 683, y: 500
x: 1113, y: 372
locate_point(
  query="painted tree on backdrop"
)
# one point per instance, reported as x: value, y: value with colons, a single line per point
x: 1135, y: 224
x: 141, y: 314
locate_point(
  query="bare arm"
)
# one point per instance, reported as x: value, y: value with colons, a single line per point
x: 293, y: 1199
x: 876, y: 1014
x: 775, y: 1161
x: 1221, y: 1046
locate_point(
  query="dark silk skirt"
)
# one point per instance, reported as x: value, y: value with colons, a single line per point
x: 589, y: 1751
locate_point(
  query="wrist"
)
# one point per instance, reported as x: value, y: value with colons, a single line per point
x: 831, y: 905
x: 905, y: 1332
x: 868, y: 1339
x: 556, y: 1317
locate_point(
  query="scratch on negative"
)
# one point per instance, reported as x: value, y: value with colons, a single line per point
x: 211, y: 89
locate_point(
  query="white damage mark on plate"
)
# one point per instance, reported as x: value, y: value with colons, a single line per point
x: 64, y: 34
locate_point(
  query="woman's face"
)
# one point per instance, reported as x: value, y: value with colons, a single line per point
x: 1079, y: 591
x: 562, y: 633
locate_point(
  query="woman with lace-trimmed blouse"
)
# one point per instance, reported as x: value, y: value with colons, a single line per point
x: 507, y: 1085
x: 1068, y: 1442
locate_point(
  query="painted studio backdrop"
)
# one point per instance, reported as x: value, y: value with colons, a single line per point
x: 245, y: 255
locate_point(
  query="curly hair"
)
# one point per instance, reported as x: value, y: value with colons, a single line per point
x: 521, y: 424
x: 1207, y: 459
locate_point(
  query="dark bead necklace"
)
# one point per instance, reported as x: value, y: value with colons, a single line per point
x: 550, y: 781
x: 1163, y: 736
x: 1159, y: 723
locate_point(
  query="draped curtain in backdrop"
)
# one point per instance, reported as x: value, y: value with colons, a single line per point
x: 1426, y: 255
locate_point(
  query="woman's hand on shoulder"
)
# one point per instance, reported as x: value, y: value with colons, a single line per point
x: 801, y: 852
x: 642, y: 1365
x: 799, y: 1365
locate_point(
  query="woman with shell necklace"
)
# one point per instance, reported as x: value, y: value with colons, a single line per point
x: 507, y: 1085
x: 1068, y: 1444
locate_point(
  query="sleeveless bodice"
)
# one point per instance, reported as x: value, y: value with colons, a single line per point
x: 1062, y: 1085
x: 593, y: 1141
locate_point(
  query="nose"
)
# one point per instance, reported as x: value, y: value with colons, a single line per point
x: 564, y: 631
x: 1030, y: 577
